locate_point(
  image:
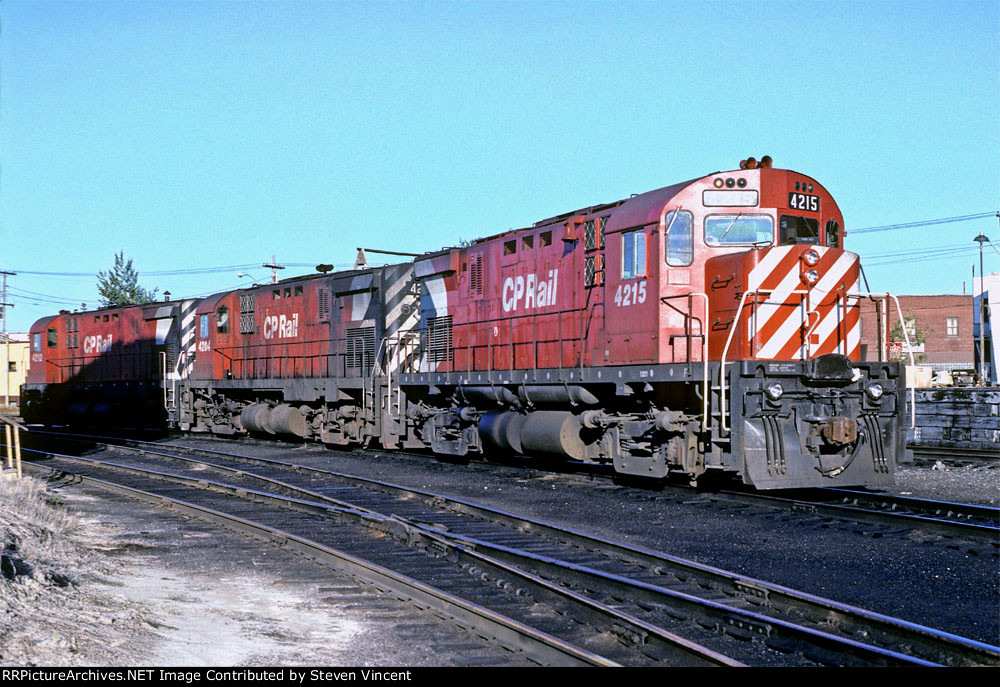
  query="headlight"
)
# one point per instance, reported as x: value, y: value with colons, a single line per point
x: 774, y: 391
x: 811, y: 277
x: 875, y: 391
x: 811, y: 257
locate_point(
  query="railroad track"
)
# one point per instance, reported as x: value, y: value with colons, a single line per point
x: 951, y: 520
x: 659, y: 609
x: 953, y: 456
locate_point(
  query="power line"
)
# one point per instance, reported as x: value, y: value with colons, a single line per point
x: 925, y: 223
x: 153, y: 273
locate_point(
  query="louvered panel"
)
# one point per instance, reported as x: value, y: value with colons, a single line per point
x: 476, y: 274
x: 360, y: 349
x: 439, y: 344
x: 323, y: 304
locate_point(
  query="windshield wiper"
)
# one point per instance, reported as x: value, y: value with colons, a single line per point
x: 731, y: 225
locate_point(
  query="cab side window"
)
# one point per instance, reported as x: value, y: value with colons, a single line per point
x: 678, y: 233
x: 633, y: 254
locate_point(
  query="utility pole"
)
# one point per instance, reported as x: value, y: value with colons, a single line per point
x: 981, y: 239
x: 274, y: 269
x: 6, y: 338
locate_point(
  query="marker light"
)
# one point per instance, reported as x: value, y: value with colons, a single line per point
x: 742, y: 183
x: 811, y: 257
x: 718, y: 183
x: 874, y: 391
x: 774, y: 391
x: 730, y: 183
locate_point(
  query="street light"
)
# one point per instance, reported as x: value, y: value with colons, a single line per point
x: 981, y: 239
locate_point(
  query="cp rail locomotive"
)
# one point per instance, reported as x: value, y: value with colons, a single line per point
x: 708, y: 327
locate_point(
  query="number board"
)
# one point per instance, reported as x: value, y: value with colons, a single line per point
x: 803, y: 201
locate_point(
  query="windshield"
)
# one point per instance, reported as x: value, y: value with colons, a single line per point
x: 727, y: 230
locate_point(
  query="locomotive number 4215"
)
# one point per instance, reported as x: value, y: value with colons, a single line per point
x: 803, y: 201
x: 630, y: 294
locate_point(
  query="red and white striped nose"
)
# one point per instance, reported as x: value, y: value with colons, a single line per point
x: 806, y: 307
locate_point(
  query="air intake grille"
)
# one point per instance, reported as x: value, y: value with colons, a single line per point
x: 476, y: 274
x: 439, y: 340
x: 323, y: 308
x: 360, y: 353
x: 246, y: 313
x: 589, y: 235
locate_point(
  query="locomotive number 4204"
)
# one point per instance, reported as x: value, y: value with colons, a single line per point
x: 630, y: 294
x: 803, y: 201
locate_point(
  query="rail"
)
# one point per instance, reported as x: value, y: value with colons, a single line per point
x: 735, y: 325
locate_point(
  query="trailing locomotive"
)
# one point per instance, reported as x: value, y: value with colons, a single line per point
x: 709, y: 327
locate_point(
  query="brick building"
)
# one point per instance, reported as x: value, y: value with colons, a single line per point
x: 945, y: 322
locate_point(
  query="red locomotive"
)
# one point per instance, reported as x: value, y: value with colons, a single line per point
x: 707, y: 327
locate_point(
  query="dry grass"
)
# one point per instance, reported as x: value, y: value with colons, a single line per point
x: 34, y: 533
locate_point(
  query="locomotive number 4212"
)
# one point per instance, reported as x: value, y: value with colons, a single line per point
x: 803, y: 201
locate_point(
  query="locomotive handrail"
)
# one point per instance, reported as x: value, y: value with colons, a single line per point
x: 756, y: 292
x: 704, y: 353
x: 251, y: 357
x: 471, y: 347
x: 129, y: 365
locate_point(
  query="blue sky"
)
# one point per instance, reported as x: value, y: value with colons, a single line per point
x: 205, y: 137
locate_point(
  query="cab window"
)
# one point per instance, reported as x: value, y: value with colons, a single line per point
x: 740, y: 229
x: 36, y: 342
x: 833, y: 234
x: 222, y: 319
x: 798, y: 230
x: 633, y: 254
x: 53, y: 337
x: 678, y: 235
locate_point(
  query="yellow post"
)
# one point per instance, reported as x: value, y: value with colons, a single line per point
x: 17, y: 450
x: 10, y: 458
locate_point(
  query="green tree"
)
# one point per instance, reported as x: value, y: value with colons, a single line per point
x: 917, y: 336
x: 120, y: 286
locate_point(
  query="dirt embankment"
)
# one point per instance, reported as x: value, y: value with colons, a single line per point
x: 52, y: 612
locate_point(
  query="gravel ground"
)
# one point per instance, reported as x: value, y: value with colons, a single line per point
x: 104, y: 581
x: 112, y: 584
